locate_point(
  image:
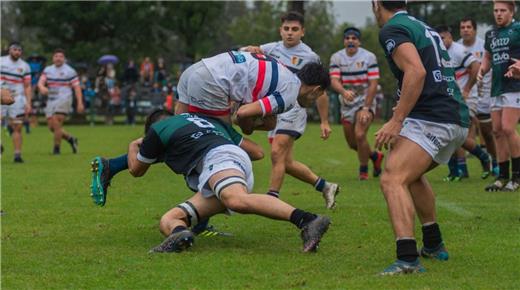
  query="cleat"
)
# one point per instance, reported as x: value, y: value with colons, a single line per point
x: 74, y: 144
x: 401, y: 267
x: 176, y: 242
x: 451, y: 178
x: 202, y: 229
x: 377, y: 164
x: 511, y: 186
x: 363, y: 176
x: 497, y: 185
x: 312, y: 233
x: 100, y: 180
x: 440, y: 253
x: 486, y: 167
x: 18, y: 159
x: 329, y: 194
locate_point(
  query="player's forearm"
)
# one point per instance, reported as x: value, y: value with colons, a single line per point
x: 251, y: 110
x: 337, y: 86
x: 135, y: 167
x: 485, y: 65
x: 322, y: 103
x: 28, y: 93
x: 473, y: 71
x: 371, y: 93
x: 79, y: 94
x: 412, y: 85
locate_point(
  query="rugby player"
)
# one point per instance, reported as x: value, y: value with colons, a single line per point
x: 16, y: 77
x: 294, y: 54
x: 429, y: 123
x: 354, y: 73
x: 502, y: 44
x: 57, y: 82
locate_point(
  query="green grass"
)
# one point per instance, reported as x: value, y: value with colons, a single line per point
x: 53, y: 236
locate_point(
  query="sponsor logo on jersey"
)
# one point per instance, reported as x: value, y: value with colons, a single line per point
x: 499, y: 42
x: 390, y: 44
x: 296, y: 60
x: 500, y: 57
x: 437, y: 76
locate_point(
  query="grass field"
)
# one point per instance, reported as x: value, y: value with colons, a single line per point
x: 54, y: 237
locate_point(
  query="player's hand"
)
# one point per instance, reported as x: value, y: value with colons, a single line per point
x: 513, y: 71
x: 43, y: 91
x: 325, y: 130
x: 480, y: 77
x: 80, y: 108
x: 348, y: 96
x: 252, y: 49
x: 364, y: 116
x: 387, y: 135
x: 465, y: 94
x: 137, y: 142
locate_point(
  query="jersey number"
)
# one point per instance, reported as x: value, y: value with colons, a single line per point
x: 200, y: 122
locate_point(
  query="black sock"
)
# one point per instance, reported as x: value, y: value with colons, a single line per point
x: 515, y: 162
x: 178, y: 229
x: 301, y: 218
x: 56, y: 149
x: 407, y: 250
x: 273, y: 193
x: 431, y: 236
x: 504, y: 169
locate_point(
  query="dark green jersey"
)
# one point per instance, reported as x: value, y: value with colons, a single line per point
x: 503, y: 44
x: 440, y: 100
x: 183, y: 140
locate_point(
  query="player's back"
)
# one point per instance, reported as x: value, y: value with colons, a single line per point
x: 248, y: 77
x: 440, y: 100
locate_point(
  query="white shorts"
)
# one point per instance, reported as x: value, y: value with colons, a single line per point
x: 349, y: 110
x: 439, y: 140
x: 198, y: 89
x: 290, y: 123
x: 507, y: 100
x: 222, y: 158
x: 58, y: 106
x: 484, y: 105
x: 16, y: 109
x: 472, y: 103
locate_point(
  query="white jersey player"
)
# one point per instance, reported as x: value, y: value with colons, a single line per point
x: 354, y: 73
x: 57, y: 82
x: 16, y: 77
x: 294, y: 54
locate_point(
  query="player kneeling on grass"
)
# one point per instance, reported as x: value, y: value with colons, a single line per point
x: 220, y: 171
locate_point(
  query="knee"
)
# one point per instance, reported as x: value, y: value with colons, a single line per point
x: 509, y: 130
x: 277, y: 155
x: 168, y: 218
x: 390, y: 181
x: 360, y: 137
x: 236, y: 202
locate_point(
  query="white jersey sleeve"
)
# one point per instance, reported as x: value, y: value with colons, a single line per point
x: 282, y: 100
x: 334, y: 67
x: 373, y: 67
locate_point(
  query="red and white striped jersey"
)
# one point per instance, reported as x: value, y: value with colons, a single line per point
x: 477, y: 49
x: 60, y: 80
x: 248, y: 77
x: 354, y: 71
x: 14, y: 74
x: 460, y: 61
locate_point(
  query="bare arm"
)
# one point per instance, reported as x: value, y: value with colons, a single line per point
x: 79, y: 98
x: 136, y: 167
x: 473, y: 71
x: 485, y: 65
x: 28, y: 95
x: 371, y: 92
x: 337, y: 86
x: 255, y: 151
x: 322, y: 103
x: 407, y: 59
x: 41, y: 85
x: 252, y: 49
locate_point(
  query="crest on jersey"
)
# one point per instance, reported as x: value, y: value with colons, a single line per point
x: 390, y: 44
x: 19, y: 70
x: 360, y: 64
x: 478, y: 54
x: 296, y: 61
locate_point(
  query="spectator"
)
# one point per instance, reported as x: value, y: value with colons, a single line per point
x: 131, y: 75
x: 131, y: 106
x: 147, y: 72
x: 157, y: 97
x: 114, y: 105
x: 160, y: 73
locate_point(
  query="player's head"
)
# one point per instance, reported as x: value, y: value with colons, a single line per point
x: 503, y: 12
x: 445, y: 33
x: 58, y: 57
x: 385, y: 9
x: 15, y: 50
x: 351, y: 39
x: 155, y: 116
x: 292, y: 28
x: 315, y: 80
x: 468, y: 29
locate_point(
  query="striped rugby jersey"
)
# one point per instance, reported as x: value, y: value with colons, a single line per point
x: 294, y: 58
x: 354, y: 71
x: 248, y: 77
x: 14, y: 74
x: 460, y: 61
x: 60, y: 81
x: 477, y: 49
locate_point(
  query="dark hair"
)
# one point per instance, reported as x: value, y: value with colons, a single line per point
x: 15, y: 43
x: 293, y: 16
x: 313, y: 74
x: 59, y: 50
x: 442, y: 28
x: 155, y: 116
x: 473, y: 22
x: 392, y: 5
x: 352, y: 30
x: 510, y: 3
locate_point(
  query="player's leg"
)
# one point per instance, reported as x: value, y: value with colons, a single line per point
x: 486, y: 130
x: 280, y: 148
x: 472, y: 147
x: 16, y: 125
x: 348, y: 132
x: 502, y: 149
x: 510, y: 118
x: 407, y: 162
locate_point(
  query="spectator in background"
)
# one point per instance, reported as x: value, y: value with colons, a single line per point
x: 160, y: 73
x: 157, y: 96
x: 114, y: 105
x: 131, y: 106
x: 147, y: 72
x: 131, y: 74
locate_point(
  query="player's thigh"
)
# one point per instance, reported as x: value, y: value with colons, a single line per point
x: 407, y: 161
x: 281, y: 146
x: 349, y: 133
x: 496, y: 121
x: 510, y: 118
